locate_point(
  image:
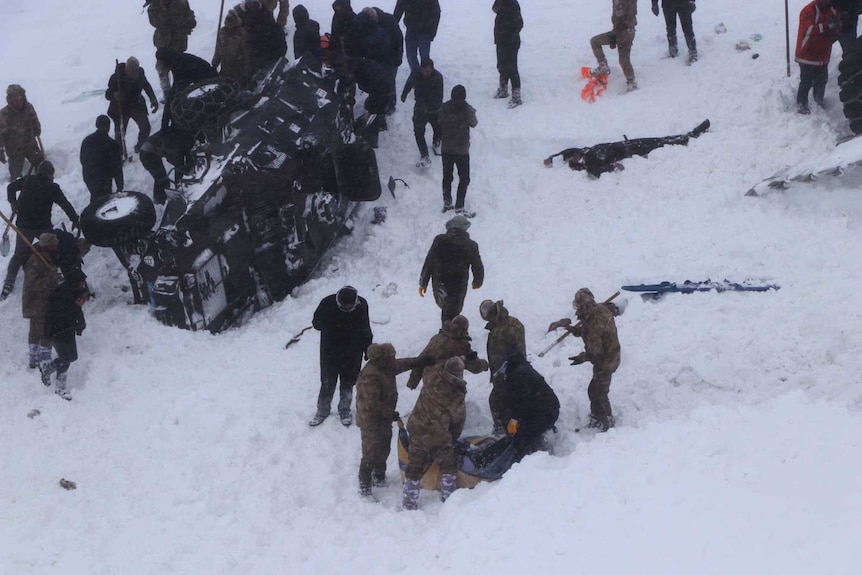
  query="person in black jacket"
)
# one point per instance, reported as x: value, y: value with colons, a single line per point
x: 451, y: 257
x: 339, y: 36
x: 373, y: 79
x: 126, y: 101
x: 38, y: 194
x: 101, y: 160
x: 63, y: 321
x: 528, y: 401
x: 421, y: 18
x: 396, y: 51
x: 265, y: 40
x: 345, y: 334
x: 428, y: 84
x: 306, y: 39
x: 507, y: 37
x: 602, y: 158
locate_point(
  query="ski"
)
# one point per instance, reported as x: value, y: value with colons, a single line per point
x: 655, y: 291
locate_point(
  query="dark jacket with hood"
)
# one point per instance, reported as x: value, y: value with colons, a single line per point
x: 526, y: 395
x: 130, y: 91
x: 508, y: 23
x: 428, y: 93
x: 396, y: 37
x: 64, y: 315
x: 456, y: 119
x: 306, y: 39
x: 451, y: 257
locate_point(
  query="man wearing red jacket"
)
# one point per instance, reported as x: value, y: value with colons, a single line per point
x: 818, y: 26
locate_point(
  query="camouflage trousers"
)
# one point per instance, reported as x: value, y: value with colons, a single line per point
x: 422, y: 456
x: 37, y: 335
x: 376, y: 445
x: 624, y: 40
x: 17, y: 157
x: 600, y: 386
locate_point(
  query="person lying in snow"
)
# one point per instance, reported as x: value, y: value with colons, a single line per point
x: 602, y: 158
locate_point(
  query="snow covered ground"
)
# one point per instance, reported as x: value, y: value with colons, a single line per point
x: 739, y: 434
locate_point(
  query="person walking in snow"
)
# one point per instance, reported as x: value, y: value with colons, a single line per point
x: 428, y: 98
x: 376, y: 398
x: 32, y: 198
x: 682, y: 9
x: 601, y: 348
x: 818, y: 28
x: 64, y: 320
x: 507, y: 38
x: 19, y: 132
x: 457, y: 117
x: 447, y: 266
x: 624, y: 19
x: 101, y: 160
x: 421, y: 19
x: 505, y: 335
x: 40, y: 279
x: 126, y: 101
x: 173, y: 21
x: 345, y: 334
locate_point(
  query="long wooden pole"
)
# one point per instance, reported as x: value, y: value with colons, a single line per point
x: 787, y: 34
x: 23, y: 237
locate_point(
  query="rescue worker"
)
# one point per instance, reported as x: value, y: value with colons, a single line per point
x: 173, y: 21
x: 457, y: 117
x: 454, y: 339
x: 505, y: 335
x: 624, y: 19
x: 230, y: 53
x: 127, y: 103
x: 40, y: 279
x: 19, y: 132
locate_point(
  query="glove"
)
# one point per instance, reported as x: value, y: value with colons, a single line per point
x: 578, y: 359
x: 476, y: 286
x: 154, y: 106
x: 655, y: 7
x: 396, y: 416
x: 471, y: 356
x: 692, y: 6
x: 2, y: 156
x: 613, y: 44
x: 512, y: 426
x: 421, y: 291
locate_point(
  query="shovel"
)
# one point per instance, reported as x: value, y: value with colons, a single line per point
x: 4, y: 243
x: 297, y: 337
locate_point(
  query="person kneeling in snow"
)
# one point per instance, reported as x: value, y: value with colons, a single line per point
x: 602, y: 158
x: 376, y: 398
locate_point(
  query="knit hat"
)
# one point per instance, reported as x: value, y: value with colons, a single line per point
x: 15, y: 90
x: 583, y: 296
x: 488, y: 309
x: 454, y: 366
x: 459, y: 92
x: 457, y: 327
x: 459, y: 222
x: 378, y: 351
x: 48, y: 241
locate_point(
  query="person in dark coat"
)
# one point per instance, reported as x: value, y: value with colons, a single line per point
x: 528, y: 401
x: 40, y: 279
x: 373, y: 79
x: 32, y: 198
x: 396, y: 50
x: 456, y: 119
x: 345, y: 334
x: 339, y: 36
x: 428, y: 85
x: 368, y: 39
x: 451, y: 257
x: 101, y: 160
x: 505, y: 334
x: 265, y: 40
x: 421, y: 19
x: 64, y: 320
x: 602, y: 158
x: 507, y: 37
x: 306, y: 39
x: 126, y: 101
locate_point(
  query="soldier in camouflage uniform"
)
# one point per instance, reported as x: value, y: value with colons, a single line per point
x: 505, y: 335
x: 601, y: 348
x: 230, y: 58
x: 435, y: 423
x: 453, y: 340
x: 624, y: 19
x: 376, y: 398
x: 40, y: 279
x: 19, y: 130
x: 173, y: 21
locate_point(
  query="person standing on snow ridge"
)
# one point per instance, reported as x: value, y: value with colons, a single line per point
x: 683, y: 9
x: 345, y: 334
x: 447, y: 265
x: 624, y: 20
x: 818, y: 27
x: 306, y: 39
x: 126, y: 101
x: 507, y: 37
x: 428, y: 85
x: 457, y: 117
x: 19, y: 132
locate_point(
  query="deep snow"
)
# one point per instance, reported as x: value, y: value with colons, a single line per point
x: 738, y: 443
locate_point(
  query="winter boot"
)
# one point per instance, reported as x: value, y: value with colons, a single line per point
x: 61, y: 387
x: 502, y: 92
x: 346, y: 418
x: 631, y: 86
x: 423, y: 162
x: 516, y: 98
x: 46, y: 368
x: 692, y: 56
x: 365, y: 490
x: 700, y: 129
x: 33, y: 352
x: 379, y: 479
x: 601, y: 70
x: 410, y: 495
x: 802, y: 109
x: 318, y: 418
x: 672, y: 50
x: 594, y: 422
x: 448, y: 207
x: 7, y: 289
x: 448, y: 485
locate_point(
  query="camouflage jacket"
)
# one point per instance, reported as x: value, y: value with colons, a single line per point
x: 173, y: 23
x: 599, y: 332
x: 624, y: 15
x: 19, y: 128
x: 438, y: 417
x: 505, y: 334
x: 39, y: 281
x: 453, y: 341
x: 231, y: 55
x: 376, y: 389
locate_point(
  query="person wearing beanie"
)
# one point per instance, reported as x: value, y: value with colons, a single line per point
x: 435, y: 423
x: 127, y: 102
x: 173, y: 21
x: 505, y: 334
x: 101, y: 160
x: 345, y: 334
x: 40, y: 279
x: 376, y: 398
x: 19, y: 132
x: 456, y: 119
x: 32, y: 199
x: 447, y: 266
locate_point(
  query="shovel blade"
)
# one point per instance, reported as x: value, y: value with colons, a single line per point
x: 4, y: 246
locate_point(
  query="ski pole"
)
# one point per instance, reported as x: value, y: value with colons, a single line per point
x: 570, y: 329
x: 23, y: 237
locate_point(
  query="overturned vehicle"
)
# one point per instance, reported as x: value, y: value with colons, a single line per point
x: 258, y: 202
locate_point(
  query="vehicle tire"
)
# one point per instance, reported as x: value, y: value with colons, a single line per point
x: 850, y: 85
x: 198, y: 107
x: 115, y: 219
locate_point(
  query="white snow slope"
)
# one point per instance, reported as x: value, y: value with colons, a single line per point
x: 738, y: 444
